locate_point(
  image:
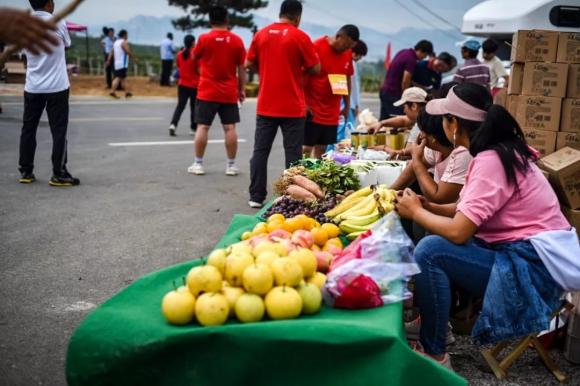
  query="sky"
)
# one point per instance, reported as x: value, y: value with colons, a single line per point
x: 383, y: 15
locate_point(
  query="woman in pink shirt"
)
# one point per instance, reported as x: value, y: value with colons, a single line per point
x: 487, y: 243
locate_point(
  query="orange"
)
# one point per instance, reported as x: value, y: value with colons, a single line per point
x: 333, y: 241
x: 260, y: 228
x: 274, y: 225
x: 320, y: 236
x: 332, y: 230
x: 292, y: 224
x: 276, y: 218
x: 304, y: 221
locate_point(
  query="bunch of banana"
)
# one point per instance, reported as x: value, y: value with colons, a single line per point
x: 360, y: 211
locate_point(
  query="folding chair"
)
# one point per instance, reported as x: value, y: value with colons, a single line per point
x: 500, y: 367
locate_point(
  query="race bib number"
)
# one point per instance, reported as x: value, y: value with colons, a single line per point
x: 338, y: 83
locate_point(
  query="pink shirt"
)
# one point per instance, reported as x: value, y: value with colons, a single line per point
x: 499, y: 213
x: 452, y: 169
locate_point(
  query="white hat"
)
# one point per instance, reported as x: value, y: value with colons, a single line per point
x: 412, y: 94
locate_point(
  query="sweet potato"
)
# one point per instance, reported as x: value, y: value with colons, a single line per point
x: 309, y: 185
x: 299, y: 193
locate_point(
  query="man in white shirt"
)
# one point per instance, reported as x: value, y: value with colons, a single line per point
x: 119, y: 58
x: 47, y: 87
x: 496, y: 67
x: 167, y: 53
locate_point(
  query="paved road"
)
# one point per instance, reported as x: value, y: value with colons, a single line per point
x: 64, y: 251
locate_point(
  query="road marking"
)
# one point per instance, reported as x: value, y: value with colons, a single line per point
x: 164, y: 143
x: 116, y: 119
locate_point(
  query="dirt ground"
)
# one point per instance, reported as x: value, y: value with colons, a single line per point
x: 87, y: 85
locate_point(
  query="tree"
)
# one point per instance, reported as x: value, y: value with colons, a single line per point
x: 198, y: 9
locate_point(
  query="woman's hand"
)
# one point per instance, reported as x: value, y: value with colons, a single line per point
x: 418, y: 149
x: 408, y: 203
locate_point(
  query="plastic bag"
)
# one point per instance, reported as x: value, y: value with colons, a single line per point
x: 390, y: 244
x: 385, y: 255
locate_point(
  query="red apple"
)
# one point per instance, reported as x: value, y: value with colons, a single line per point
x: 303, y: 239
x: 323, y: 260
x: 279, y: 234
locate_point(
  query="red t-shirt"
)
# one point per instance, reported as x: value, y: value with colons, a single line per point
x: 324, y: 104
x: 219, y: 54
x: 282, y: 52
x: 188, y: 73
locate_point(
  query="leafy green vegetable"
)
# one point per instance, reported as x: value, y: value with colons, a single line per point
x: 333, y: 178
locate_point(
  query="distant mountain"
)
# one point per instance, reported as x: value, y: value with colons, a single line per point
x: 151, y: 30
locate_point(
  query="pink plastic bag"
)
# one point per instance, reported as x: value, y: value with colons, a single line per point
x: 352, y: 252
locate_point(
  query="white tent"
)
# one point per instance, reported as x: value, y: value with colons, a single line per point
x: 501, y: 18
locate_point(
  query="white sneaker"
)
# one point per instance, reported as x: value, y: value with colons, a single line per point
x: 255, y: 205
x: 232, y: 170
x: 196, y: 169
x: 172, y: 129
x: 192, y: 132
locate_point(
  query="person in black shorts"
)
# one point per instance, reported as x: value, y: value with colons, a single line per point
x: 319, y: 134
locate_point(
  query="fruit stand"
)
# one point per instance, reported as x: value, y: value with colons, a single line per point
x: 127, y: 341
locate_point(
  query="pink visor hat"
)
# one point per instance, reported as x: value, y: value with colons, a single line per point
x: 455, y: 106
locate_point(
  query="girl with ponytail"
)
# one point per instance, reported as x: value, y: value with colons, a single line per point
x: 187, y: 86
x: 505, y: 240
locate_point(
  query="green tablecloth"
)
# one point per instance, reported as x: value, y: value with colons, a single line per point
x: 126, y: 341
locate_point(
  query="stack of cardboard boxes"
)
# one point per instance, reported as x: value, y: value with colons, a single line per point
x: 544, y: 97
x: 544, y: 88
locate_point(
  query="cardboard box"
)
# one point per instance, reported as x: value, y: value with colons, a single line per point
x: 573, y: 89
x: 512, y: 104
x: 570, y: 121
x: 573, y: 217
x: 534, y: 46
x: 538, y: 112
x: 568, y: 139
x: 568, y: 47
x: 542, y: 141
x: 546, y: 79
x: 564, y: 169
x: 516, y: 78
x: 501, y: 98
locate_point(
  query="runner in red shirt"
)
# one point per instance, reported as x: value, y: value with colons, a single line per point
x: 325, y: 90
x: 187, y: 87
x: 282, y: 54
x: 222, y: 82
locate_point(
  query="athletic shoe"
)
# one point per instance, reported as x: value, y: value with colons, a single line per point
x: 192, y: 132
x: 232, y: 170
x: 128, y: 95
x: 413, y: 329
x: 27, y: 178
x: 196, y: 169
x: 64, y: 180
x: 445, y: 362
x: 255, y: 204
x: 172, y: 129
x: 114, y: 95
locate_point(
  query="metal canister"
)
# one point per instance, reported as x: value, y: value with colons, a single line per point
x: 380, y: 139
x: 355, y: 140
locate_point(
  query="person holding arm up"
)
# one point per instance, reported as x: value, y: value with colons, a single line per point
x: 505, y: 240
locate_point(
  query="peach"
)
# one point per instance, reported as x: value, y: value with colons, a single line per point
x: 323, y: 260
x: 303, y: 239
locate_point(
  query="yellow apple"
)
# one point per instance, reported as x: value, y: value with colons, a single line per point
x: 212, y: 309
x: 205, y: 278
x: 267, y: 258
x: 258, y: 279
x: 218, y: 259
x: 311, y: 298
x: 306, y: 259
x: 283, y: 303
x: 232, y: 295
x: 287, y: 271
x: 241, y: 247
x: 178, y: 306
x: 264, y: 246
x: 236, y: 264
x: 250, y: 308
x: 318, y: 279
